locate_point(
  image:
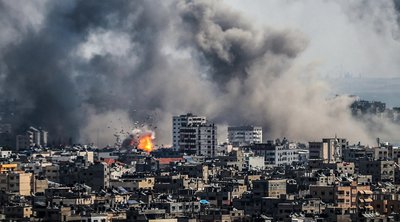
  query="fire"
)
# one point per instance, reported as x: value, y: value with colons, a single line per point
x: 146, y: 143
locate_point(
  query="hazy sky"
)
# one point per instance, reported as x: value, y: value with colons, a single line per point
x: 357, y: 37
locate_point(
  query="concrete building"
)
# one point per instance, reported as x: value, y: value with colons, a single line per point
x: 356, y: 153
x: 266, y: 150
x: 325, y: 192
x: 88, y: 155
x: 43, y: 138
x: 381, y: 171
x: 23, y: 142
x: 315, y: 149
x: 275, y: 154
x: 16, y: 182
x: 97, y: 176
x: 286, y: 154
x: 269, y: 188
x: 345, y: 169
x: 31, y: 138
x: 244, y: 135
x: 132, y: 184
x: 224, y: 148
x: 18, y: 212
x: 52, y: 172
x: 183, y: 121
x: 7, y: 167
x: 176, y: 209
x: 5, y: 154
x: 255, y: 163
x: 198, y: 140
x: 329, y: 150
x: 194, y: 136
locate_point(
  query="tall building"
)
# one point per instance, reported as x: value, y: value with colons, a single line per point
x: 198, y: 139
x: 182, y: 121
x: 43, y: 137
x: 31, y: 138
x: 6, y: 135
x: 244, y: 135
x: 193, y: 135
x: 34, y: 135
x: 329, y: 150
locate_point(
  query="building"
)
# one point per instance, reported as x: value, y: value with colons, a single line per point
x: 16, y: 182
x: 7, y: 167
x: 198, y: 140
x: 269, y: 188
x: 131, y: 184
x: 286, y: 154
x: 255, y: 162
x: 329, y: 150
x: 6, y: 135
x: 345, y: 168
x: 381, y: 170
x: 177, y: 209
x: 194, y: 136
x: 244, y: 135
x: 52, y: 172
x: 18, y: 212
x: 315, y: 150
x: 324, y: 192
x: 277, y: 154
x: 5, y: 154
x: 97, y: 176
x: 43, y: 138
x: 182, y: 121
x: 356, y: 153
x: 32, y: 138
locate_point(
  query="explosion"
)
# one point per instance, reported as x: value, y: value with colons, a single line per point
x: 140, y: 138
x: 146, y: 142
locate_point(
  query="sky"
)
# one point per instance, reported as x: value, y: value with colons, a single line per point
x: 89, y: 69
x: 355, y: 44
x: 357, y: 37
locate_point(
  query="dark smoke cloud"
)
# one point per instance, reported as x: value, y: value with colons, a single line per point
x: 229, y: 44
x: 37, y: 72
x: 84, y: 68
x: 43, y: 71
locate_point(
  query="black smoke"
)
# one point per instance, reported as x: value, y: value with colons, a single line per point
x: 42, y: 72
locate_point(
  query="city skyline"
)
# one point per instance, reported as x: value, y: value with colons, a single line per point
x: 200, y: 110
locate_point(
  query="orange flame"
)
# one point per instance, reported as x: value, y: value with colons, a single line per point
x: 146, y: 143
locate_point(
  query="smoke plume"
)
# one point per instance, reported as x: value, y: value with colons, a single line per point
x: 80, y: 66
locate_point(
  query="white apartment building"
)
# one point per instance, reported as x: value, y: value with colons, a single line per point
x: 183, y: 121
x: 286, y: 154
x: 244, y: 135
x: 193, y: 135
x: 277, y: 154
